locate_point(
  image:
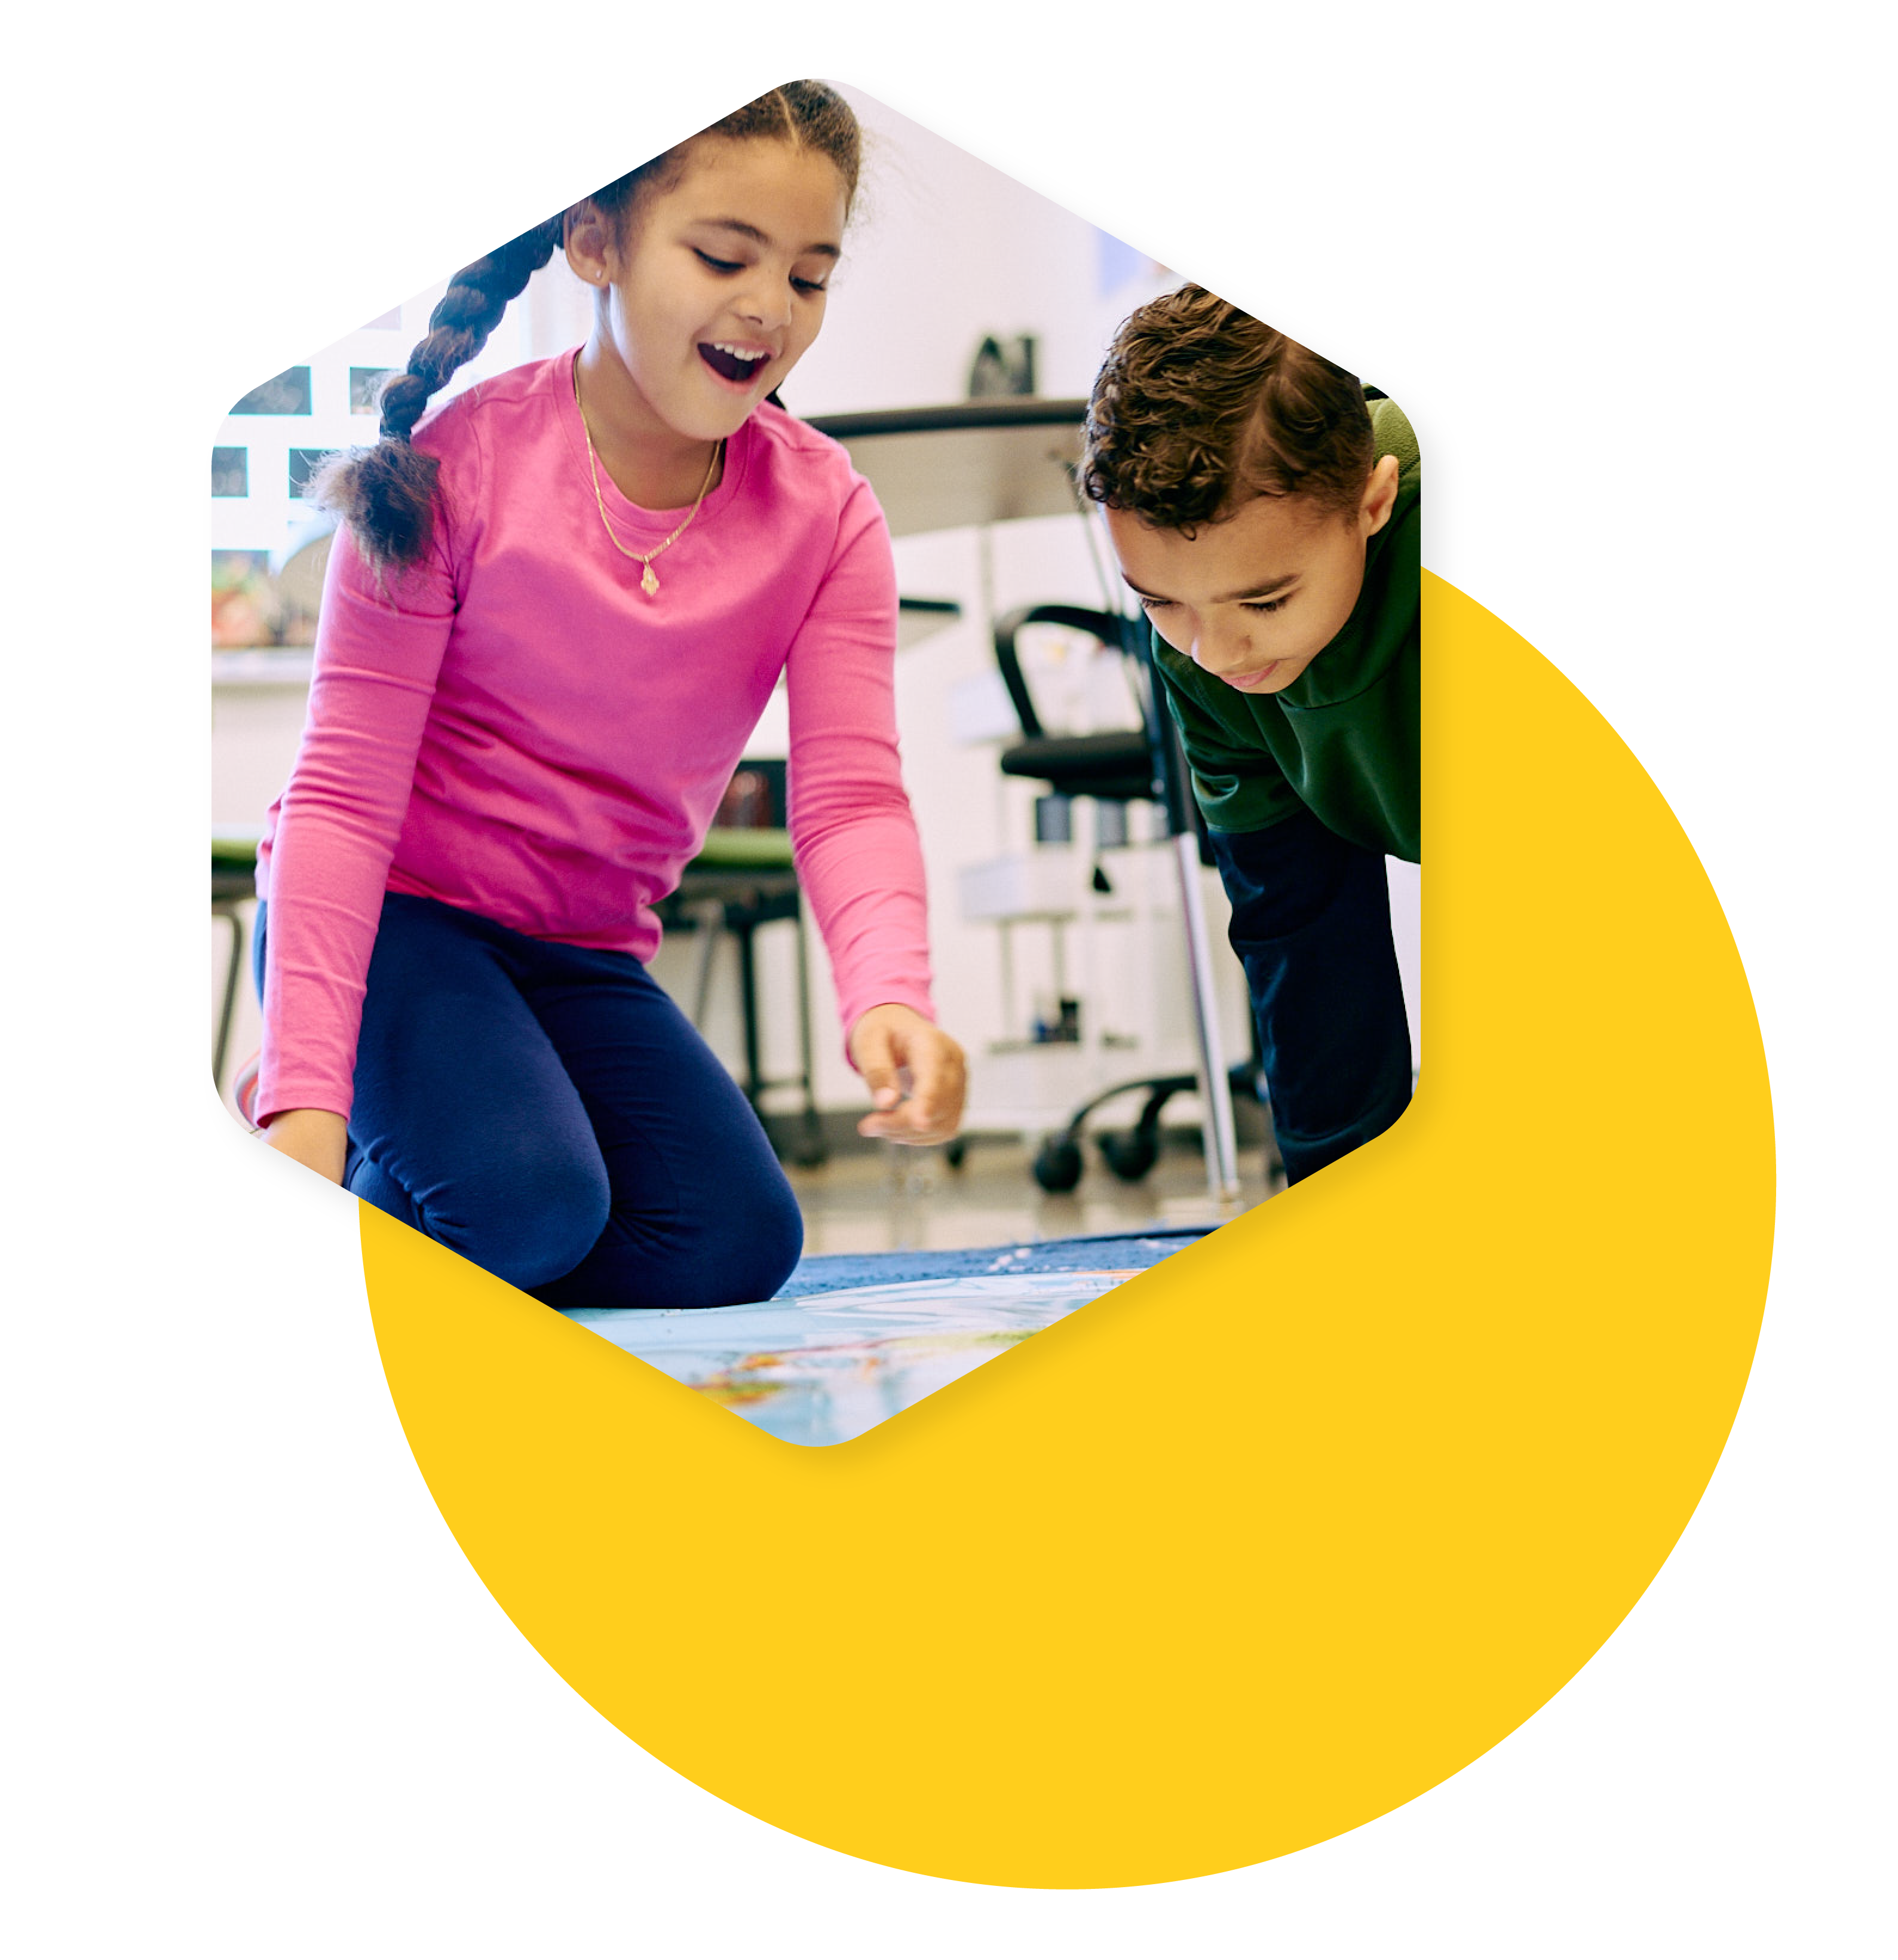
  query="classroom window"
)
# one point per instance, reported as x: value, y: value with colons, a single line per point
x: 304, y: 464
x: 230, y: 473
x: 284, y: 394
x: 363, y: 383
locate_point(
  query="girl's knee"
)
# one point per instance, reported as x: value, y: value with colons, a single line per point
x: 763, y: 1250
x: 732, y: 1245
x: 526, y: 1217
x: 742, y: 1254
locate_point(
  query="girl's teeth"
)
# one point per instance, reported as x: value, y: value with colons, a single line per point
x: 737, y: 365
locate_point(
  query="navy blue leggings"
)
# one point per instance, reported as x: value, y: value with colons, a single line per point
x: 547, y: 1111
x: 1311, y: 925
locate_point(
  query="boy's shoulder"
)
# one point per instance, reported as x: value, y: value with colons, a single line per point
x: 1392, y: 435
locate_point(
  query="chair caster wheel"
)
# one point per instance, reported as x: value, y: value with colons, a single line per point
x: 955, y: 1153
x: 1130, y: 1154
x: 1057, y: 1165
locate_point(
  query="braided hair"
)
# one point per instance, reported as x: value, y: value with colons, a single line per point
x: 386, y: 493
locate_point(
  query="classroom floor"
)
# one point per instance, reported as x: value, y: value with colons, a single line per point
x: 888, y: 1199
x: 902, y: 1291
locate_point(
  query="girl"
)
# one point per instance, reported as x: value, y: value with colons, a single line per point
x: 554, y: 614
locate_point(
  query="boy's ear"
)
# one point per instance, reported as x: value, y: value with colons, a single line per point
x: 1380, y: 494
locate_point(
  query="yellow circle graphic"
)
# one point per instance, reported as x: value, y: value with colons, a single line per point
x: 1274, y: 1537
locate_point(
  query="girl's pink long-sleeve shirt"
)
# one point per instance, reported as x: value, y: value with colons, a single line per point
x: 513, y: 727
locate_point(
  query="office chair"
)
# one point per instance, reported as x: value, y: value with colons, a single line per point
x: 1143, y: 765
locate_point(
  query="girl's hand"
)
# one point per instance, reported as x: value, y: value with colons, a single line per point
x: 318, y: 1138
x: 891, y: 1042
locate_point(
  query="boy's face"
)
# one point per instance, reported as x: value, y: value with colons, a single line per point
x: 1255, y: 598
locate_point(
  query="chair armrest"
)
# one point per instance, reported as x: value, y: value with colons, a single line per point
x: 1109, y: 628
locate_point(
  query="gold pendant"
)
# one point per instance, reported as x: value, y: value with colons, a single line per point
x: 649, y: 582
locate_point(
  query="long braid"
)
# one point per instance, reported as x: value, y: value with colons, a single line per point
x: 386, y: 494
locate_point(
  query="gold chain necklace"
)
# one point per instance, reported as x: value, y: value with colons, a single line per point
x: 648, y: 578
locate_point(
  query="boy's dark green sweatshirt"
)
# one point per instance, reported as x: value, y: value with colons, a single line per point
x: 1342, y: 739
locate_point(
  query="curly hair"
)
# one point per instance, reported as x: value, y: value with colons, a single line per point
x: 1200, y: 408
x: 386, y: 493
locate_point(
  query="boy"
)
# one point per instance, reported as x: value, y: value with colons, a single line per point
x: 1264, y: 506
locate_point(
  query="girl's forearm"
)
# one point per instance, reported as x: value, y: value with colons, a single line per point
x: 318, y: 1138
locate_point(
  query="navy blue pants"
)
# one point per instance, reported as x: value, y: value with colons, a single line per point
x: 547, y: 1111
x: 1311, y: 925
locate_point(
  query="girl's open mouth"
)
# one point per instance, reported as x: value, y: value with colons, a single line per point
x: 729, y: 364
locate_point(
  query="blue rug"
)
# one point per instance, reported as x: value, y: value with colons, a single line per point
x: 835, y: 1272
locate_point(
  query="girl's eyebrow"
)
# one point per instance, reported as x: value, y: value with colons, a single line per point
x: 821, y: 250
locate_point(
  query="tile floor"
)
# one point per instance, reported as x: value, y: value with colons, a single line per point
x: 890, y: 1199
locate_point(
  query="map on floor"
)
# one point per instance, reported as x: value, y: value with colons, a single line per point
x: 824, y: 1367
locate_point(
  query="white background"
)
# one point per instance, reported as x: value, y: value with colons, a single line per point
x: 1619, y: 266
